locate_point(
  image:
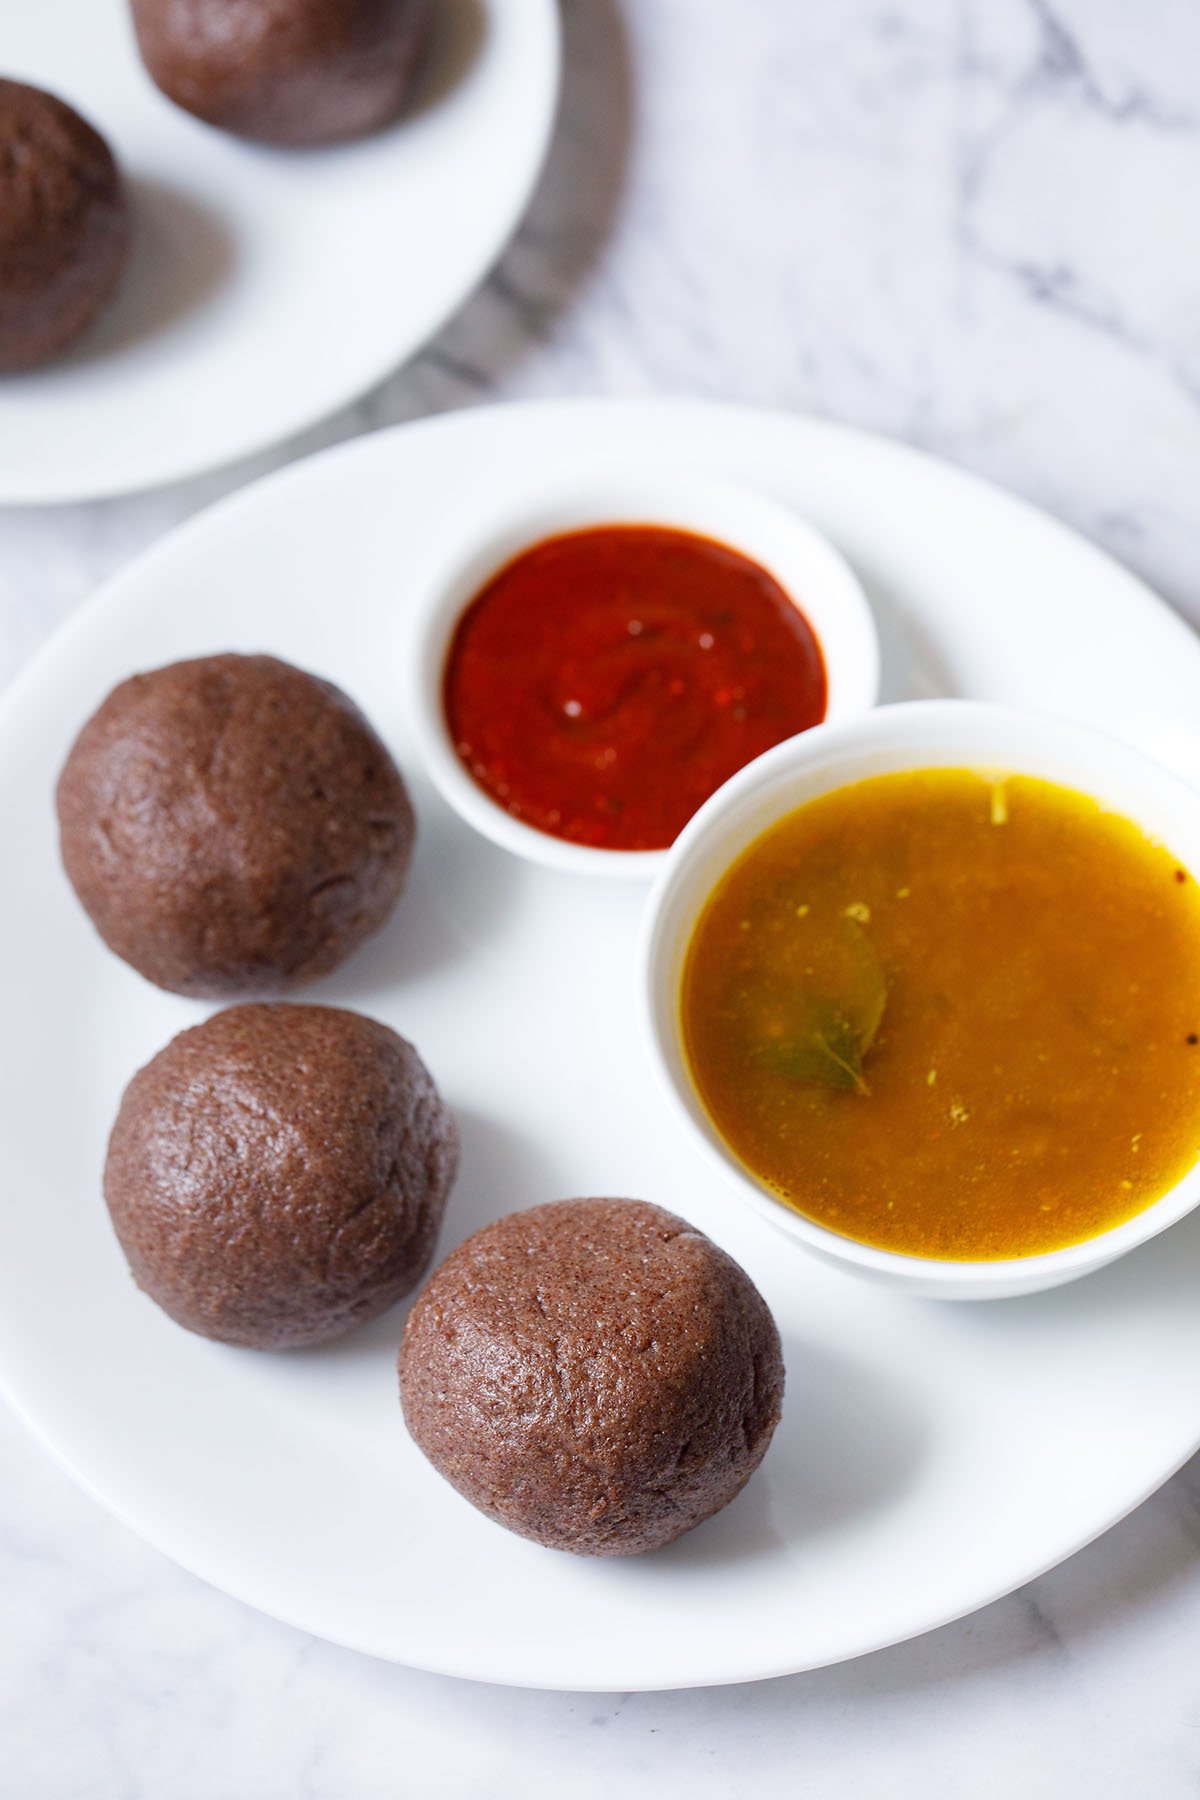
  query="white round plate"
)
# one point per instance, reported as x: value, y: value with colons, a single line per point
x: 267, y: 287
x: 931, y: 1456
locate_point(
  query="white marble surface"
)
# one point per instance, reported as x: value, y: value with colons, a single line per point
x: 970, y: 223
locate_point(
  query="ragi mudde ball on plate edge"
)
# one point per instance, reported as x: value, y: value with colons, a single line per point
x: 285, y: 71
x: 277, y: 1175
x: 64, y: 225
x: 233, y: 825
x: 594, y: 1374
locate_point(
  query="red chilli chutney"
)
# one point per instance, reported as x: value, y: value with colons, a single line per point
x: 604, y: 683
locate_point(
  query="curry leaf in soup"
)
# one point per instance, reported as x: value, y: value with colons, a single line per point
x: 831, y: 1025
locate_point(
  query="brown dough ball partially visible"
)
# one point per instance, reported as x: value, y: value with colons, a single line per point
x: 233, y: 826
x: 594, y: 1374
x: 64, y: 225
x: 278, y: 1174
x: 284, y: 71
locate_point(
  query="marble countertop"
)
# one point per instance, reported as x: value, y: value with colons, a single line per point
x: 968, y: 223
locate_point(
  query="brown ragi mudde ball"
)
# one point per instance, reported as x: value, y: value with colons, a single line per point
x: 64, y: 225
x: 285, y: 71
x: 233, y: 826
x: 278, y: 1174
x: 594, y: 1374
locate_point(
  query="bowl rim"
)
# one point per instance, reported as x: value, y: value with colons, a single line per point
x: 1039, y: 1269
x: 746, y: 518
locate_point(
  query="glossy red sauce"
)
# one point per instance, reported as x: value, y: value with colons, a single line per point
x: 605, y: 683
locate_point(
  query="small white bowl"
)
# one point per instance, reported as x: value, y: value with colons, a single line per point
x: 808, y: 569
x: 930, y: 734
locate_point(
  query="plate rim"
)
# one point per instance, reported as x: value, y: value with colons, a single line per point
x: 373, y: 441
x: 686, y: 1682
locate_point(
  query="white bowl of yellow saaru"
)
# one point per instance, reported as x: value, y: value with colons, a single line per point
x: 927, y: 985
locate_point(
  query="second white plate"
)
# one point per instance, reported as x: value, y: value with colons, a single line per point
x: 931, y: 1456
x: 267, y: 287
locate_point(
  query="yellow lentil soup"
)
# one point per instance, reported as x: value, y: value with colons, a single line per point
x: 952, y: 1016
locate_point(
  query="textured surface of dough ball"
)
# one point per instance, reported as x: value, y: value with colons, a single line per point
x: 64, y: 225
x: 285, y: 71
x: 233, y: 826
x: 278, y: 1174
x: 593, y: 1374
